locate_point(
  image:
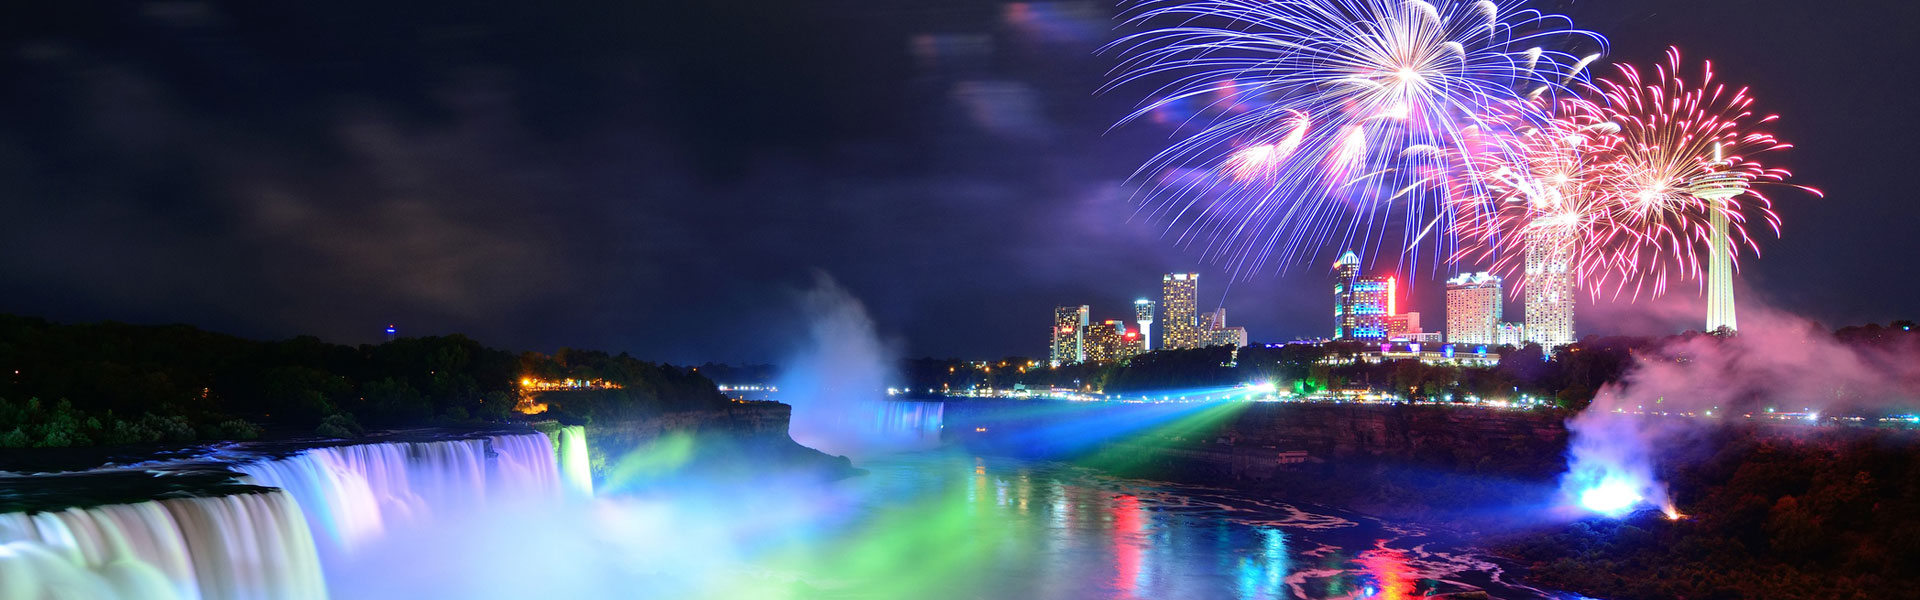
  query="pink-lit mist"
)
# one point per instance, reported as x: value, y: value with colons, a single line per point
x: 1777, y: 364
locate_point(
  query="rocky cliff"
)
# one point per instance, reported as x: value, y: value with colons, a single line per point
x: 742, y: 439
x: 1434, y: 462
x: 1526, y: 443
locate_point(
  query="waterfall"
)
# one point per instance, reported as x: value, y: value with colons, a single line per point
x: 331, y: 503
x: 912, y: 423
x: 524, y: 465
x: 353, y: 494
x: 575, y: 467
x: 242, y: 546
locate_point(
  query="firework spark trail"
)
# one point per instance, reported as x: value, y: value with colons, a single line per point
x: 1684, y: 144
x: 1540, y: 175
x: 1637, y: 176
x: 1312, y: 107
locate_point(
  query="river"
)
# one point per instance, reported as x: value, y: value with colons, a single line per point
x: 508, y: 516
x: 949, y: 524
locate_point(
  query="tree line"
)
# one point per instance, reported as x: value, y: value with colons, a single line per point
x: 114, y: 383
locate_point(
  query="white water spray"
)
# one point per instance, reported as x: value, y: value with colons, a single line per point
x: 837, y: 382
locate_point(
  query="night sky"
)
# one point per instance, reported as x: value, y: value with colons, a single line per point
x: 665, y: 177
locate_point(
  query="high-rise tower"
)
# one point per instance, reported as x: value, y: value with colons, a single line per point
x: 1143, y: 314
x: 1362, y: 306
x: 1473, y: 308
x: 1549, y: 285
x: 1069, y: 335
x: 1181, y: 329
x: 1717, y: 189
x: 1346, y: 276
x: 1371, y: 309
x: 1106, y: 342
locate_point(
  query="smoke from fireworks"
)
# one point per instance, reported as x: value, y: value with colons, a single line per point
x: 1328, y: 121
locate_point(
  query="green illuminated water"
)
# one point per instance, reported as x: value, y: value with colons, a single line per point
x: 952, y: 525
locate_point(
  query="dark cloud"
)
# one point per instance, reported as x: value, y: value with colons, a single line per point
x: 662, y: 179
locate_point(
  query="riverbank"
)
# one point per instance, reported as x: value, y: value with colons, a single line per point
x: 1458, y: 467
x: 1773, y: 511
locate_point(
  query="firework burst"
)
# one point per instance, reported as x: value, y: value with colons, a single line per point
x: 1688, y: 153
x: 1633, y: 181
x: 1327, y: 120
x: 1542, y: 181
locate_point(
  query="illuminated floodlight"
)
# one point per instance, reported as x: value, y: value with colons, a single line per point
x: 1611, y: 498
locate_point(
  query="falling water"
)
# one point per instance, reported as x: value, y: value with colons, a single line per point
x: 354, y: 494
x: 332, y: 502
x: 917, y: 424
x: 249, y: 545
x: 837, y: 380
x: 575, y: 468
x: 523, y: 465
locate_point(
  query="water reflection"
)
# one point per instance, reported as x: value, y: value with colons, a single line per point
x: 1040, y: 530
x: 1391, y: 577
x: 1261, y: 576
x: 1129, y: 520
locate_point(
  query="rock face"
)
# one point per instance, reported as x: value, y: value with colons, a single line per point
x: 1532, y: 441
x: 1446, y: 462
x: 741, y: 439
x: 1522, y: 443
x: 747, y: 420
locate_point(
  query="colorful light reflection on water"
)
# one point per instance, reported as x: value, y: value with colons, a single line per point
x: 951, y: 525
x: 929, y: 525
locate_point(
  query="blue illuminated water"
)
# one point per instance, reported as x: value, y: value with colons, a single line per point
x: 420, y: 520
x: 948, y: 524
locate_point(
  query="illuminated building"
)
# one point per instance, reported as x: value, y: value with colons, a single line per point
x: 1215, y: 332
x: 530, y: 388
x: 1372, y: 305
x: 1143, y: 314
x: 1069, y: 335
x: 1401, y: 327
x: 1106, y: 342
x: 530, y: 384
x: 1510, y: 334
x: 1132, y: 344
x: 1549, y: 286
x: 1425, y: 337
x: 1433, y: 354
x: 1346, y: 274
x: 1227, y: 336
x: 1115, y: 343
x: 1361, y: 305
x: 1181, y: 329
x: 1473, y: 308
